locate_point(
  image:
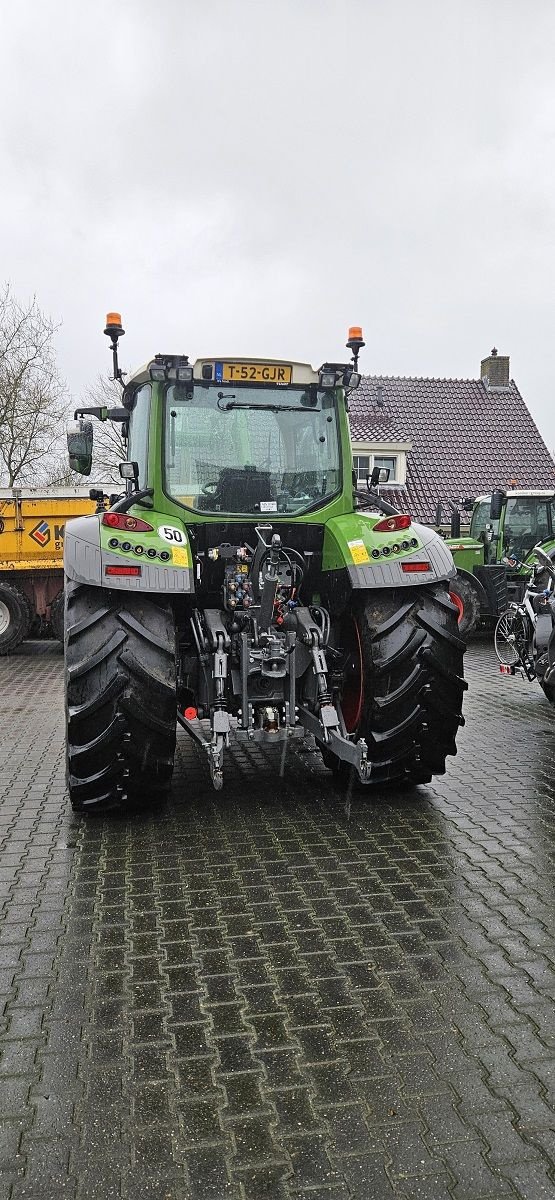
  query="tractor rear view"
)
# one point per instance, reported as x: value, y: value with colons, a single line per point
x: 238, y: 589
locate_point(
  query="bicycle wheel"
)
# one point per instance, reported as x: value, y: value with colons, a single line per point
x: 511, y: 636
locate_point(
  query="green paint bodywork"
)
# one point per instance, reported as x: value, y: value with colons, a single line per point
x: 349, y: 536
x: 466, y: 552
x: 344, y: 535
x: 469, y: 553
x: 180, y: 553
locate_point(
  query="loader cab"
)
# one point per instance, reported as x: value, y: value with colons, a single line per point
x: 525, y: 519
x: 528, y: 520
x: 484, y: 529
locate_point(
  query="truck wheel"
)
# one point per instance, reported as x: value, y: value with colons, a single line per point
x: 15, y: 617
x: 120, y: 660
x: 57, y: 617
x: 467, y: 601
x: 410, y: 683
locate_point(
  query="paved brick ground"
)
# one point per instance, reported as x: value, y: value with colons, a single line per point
x: 269, y: 993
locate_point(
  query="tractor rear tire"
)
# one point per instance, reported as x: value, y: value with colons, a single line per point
x: 15, y: 617
x: 468, y: 602
x: 120, y: 658
x: 412, y: 683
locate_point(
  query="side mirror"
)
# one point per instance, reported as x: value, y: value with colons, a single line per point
x: 468, y: 504
x: 496, y: 504
x: 379, y: 475
x: 80, y: 446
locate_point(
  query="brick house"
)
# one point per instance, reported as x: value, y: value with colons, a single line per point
x: 444, y: 439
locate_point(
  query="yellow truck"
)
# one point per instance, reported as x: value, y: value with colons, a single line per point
x: 31, y: 558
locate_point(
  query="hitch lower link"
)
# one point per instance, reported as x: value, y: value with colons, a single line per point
x: 326, y: 726
x: 283, y: 720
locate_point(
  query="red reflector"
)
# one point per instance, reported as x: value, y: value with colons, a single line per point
x: 412, y: 567
x: 390, y: 524
x: 506, y: 670
x: 190, y: 713
x: 122, y: 571
x: 126, y: 521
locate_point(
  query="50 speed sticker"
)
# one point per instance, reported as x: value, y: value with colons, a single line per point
x: 170, y: 533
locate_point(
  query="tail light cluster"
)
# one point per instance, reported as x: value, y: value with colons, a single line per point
x: 115, y: 520
x: 392, y: 524
x: 395, y: 547
x: 136, y: 547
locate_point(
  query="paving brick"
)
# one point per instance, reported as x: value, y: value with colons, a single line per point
x: 250, y: 996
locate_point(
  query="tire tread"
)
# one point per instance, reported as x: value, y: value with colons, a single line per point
x: 120, y: 697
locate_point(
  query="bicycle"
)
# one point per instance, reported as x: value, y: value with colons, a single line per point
x: 515, y: 632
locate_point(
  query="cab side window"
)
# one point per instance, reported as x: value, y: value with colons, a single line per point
x: 138, y: 432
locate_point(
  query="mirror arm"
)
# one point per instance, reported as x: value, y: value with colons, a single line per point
x: 103, y: 414
x: 372, y: 497
x: 100, y: 413
x: 133, y: 498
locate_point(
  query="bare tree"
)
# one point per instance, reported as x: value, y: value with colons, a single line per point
x: 33, y: 399
x: 109, y: 443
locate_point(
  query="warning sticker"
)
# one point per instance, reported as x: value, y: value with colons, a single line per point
x: 359, y: 552
x: 180, y: 556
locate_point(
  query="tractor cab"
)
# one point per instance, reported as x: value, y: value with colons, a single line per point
x: 511, y: 524
x: 492, y: 563
x: 250, y: 438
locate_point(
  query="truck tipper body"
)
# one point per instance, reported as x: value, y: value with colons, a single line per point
x: 32, y: 524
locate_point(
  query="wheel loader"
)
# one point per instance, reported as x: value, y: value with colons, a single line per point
x: 244, y: 589
x: 493, y: 561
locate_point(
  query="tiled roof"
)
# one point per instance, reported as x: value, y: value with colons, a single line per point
x: 465, y: 438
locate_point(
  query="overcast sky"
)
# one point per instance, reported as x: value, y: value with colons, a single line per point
x: 251, y: 177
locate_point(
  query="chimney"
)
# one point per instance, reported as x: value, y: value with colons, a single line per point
x: 494, y: 371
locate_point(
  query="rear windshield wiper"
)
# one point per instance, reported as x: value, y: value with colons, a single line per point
x: 276, y: 408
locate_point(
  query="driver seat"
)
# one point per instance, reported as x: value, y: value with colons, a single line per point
x: 241, y: 489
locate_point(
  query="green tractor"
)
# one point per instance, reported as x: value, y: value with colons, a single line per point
x: 493, y: 561
x: 238, y: 589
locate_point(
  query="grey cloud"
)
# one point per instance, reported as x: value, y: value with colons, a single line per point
x: 252, y: 177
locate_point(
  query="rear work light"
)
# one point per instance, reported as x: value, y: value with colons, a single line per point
x: 116, y: 520
x: 123, y: 570
x: 412, y: 567
x: 390, y: 524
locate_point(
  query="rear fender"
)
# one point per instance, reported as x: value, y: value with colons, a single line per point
x: 86, y: 558
x: 349, y: 544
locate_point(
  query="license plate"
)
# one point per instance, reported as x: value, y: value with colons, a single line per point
x: 506, y: 670
x: 245, y: 372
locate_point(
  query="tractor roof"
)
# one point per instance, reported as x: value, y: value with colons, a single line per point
x: 301, y: 373
x: 510, y: 492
